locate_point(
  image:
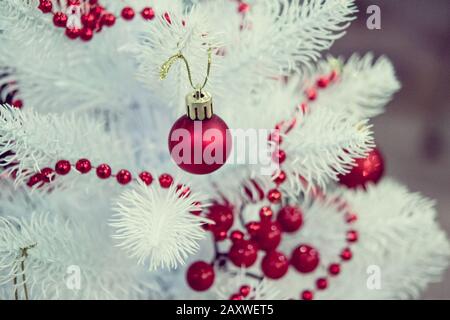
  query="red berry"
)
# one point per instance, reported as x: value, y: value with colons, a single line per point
x: 334, y: 269
x: 127, y: 13
x: 124, y: 177
x: 333, y: 75
x: 220, y: 235
x: 245, y: 290
x: 34, y: 179
x: 222, y: 215
x: 103, y: 171
x: 89, y: 20
x: 48, y: 174
x: 276, y: 137
x: 236, y: 296
x: 311, y: 94
x: 198, y: 211
x: 275, y: 265
x: 279, y: 156
x: 321, y: 283
x: 146, y: 177
x: 17, y: 104
x: 200, y: 276
x: 236, y: 235
x: 352, y: 236
x: 45, y: 6
x: 185, y: 191
x: 307, y: 295
x: 269, y: 236
x: 60, y: 20
x: 97, y: 11
x: 62, y: 167
x: 290, y: 218
x: 243, y: 7
x: 274, y: 196
x: 351, y: 217
x: 346, y: 254
x: 322, y: 82
x: 108, y: 19
x: 83, y: 166
x: 167, y: 17
x: 305, y: 258
x: 280, y: 178
x: 86, y: 34
x: 72, y: 33
x: 165, y: 180
x: 253, y: 228
x: 265, y: 213
x: 243, y: 253
x: 303, y: 108
x: 148, y: 13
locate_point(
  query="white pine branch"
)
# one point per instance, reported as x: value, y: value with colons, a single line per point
x: 363, y: 88
x: 155, y: 225
x: 55, y: 246
x: 324, y: 144
x: 38, y: 141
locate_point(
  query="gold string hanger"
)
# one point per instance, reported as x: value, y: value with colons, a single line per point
x: 165, y: 68
x: 198, y: 103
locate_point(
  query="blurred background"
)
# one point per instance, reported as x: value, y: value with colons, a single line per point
x: 414, y: 133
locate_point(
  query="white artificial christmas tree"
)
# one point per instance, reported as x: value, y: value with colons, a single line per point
x: 92, y: 207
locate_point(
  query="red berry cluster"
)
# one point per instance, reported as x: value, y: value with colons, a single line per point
x: 93, y: 17
x: 12, y: 97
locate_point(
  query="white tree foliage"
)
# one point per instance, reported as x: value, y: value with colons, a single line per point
x: 103, y: 100
x: 40, y: 140
x: 363, y: 88
x: 325, y: 144
x: 155, y: 225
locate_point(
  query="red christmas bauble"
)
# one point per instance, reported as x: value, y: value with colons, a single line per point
x: 369, y: 169
x: 268, y: 236
x: 305, y: 258
x: 290, y: 218
x: 200, y: 276
x: 243, y: 253
x: 222, y: 216
x: 275, y: 265
x: 200, y: 147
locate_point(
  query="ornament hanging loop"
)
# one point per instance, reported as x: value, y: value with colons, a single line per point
x: 199, y: 104
x: 165, y: 68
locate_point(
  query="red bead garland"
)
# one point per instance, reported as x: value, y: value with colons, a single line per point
x: 200, y: 276
x: 165, y: 180
x: 127, y: 13
x: 103, y: 171
x: 62, y: 167
x: 148, y: 13
x: 124, y: 177
x: 290, y: 218
x: 305, y: 258
x: 146, y: 177
x: 275, y: 265
x: 45, y: 6
x: 243, y: 253
x: 83, y: 166
x: 60, y: 19
x: 307, y: 295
